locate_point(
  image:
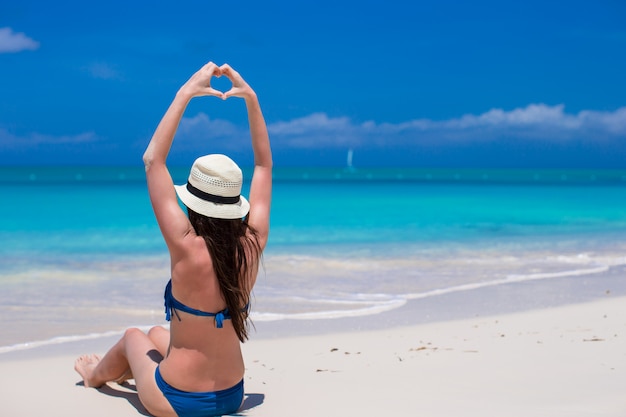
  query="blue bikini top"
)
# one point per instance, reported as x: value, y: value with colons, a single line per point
x: 172, y: 305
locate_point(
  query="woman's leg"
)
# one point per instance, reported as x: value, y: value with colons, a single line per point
x: 137, y: 351
x: 97, y: 371
x: 161, y: 339
x: 160, y: 336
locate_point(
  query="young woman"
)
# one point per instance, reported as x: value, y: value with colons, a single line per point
x: 196, y: 368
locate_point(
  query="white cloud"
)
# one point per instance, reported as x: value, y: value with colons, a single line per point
x: 318, y: 122
x: 612, y: 122
x: 317, y: 130
x: 538, y: 122
x: 201, y: 130
x: 15, y: 42
x: 9, y: 140
x: 534, y: 122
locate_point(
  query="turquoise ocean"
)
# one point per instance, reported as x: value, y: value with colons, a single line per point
x: 81, y: 256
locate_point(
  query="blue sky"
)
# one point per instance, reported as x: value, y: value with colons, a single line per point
x: 435, y: 84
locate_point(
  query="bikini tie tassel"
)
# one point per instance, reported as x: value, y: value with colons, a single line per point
x: 219, y: 320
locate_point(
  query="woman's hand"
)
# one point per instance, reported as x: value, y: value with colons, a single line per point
x: 200, y: 83
x: 240, y: 88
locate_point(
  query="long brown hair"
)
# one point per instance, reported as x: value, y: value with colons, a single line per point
x: 234, y: 248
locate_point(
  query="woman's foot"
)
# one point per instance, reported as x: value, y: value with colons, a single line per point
x: 85, y: 366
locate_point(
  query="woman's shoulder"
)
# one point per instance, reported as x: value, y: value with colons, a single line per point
x: 192, y: 259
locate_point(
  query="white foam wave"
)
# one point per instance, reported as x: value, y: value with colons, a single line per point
x: 590, y: 259
x: 379, y: 303
x: 508, y: 280
x: 366, y: 304
x: 373, y: 307
x: 64, y: 339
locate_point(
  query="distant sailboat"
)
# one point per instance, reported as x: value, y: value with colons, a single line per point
x: 349, y: 159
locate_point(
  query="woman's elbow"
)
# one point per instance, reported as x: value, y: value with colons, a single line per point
x: 150, y: 159
x: 147, y: 160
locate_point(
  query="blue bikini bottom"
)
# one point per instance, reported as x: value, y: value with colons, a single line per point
x: 201, y: 404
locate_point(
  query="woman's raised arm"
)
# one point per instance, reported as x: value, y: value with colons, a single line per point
x: 171, y: 219
x: 261, y: 186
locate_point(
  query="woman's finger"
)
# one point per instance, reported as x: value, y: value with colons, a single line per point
x: 213, y: 92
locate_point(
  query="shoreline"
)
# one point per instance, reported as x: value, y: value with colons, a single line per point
x: 505, y: 298
x: 565, y: 360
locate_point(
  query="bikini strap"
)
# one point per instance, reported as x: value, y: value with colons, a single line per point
x: 172, y: 305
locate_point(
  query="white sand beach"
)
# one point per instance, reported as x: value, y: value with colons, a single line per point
x: 562, y: 361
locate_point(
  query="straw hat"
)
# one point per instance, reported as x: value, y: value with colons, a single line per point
x: 214, y: 188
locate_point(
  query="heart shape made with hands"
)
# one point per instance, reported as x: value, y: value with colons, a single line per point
x: 222, y: 81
